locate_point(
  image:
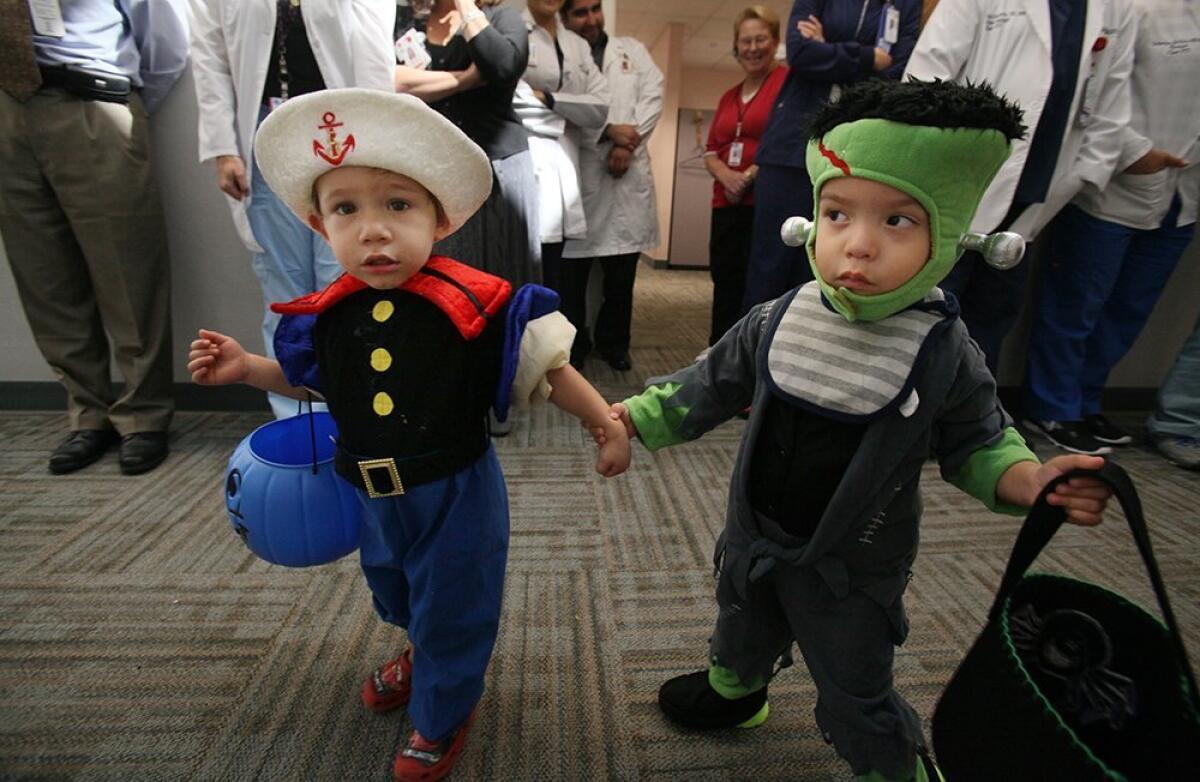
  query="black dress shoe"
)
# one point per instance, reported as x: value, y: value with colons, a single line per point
x: 618, y: 361
x: 142, y: 452
x: 80, y: 449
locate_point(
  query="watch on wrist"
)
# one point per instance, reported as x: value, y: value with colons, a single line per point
x: 471, y: 16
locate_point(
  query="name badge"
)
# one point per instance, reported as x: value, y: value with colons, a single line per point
x: 410, y: 50
x: 735, y: 153
x: 889, y: 27
x: 47, y: 18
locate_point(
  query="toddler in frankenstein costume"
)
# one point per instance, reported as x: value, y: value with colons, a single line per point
x: 853, y: 380
x: 411, y: 351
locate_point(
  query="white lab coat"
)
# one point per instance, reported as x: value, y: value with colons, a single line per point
x: 1006, y: 43
x: 231, y: 43
x: 1166, y: 115
x: 622, y: 213
x: 581, y: 103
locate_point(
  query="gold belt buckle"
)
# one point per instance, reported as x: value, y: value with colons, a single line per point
x: 365, y: 467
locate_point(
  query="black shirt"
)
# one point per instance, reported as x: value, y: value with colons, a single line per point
x: 500, y: 52
x: 301, y: 72
x: 798, y: 462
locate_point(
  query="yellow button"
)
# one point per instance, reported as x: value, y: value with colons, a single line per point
x: 383, y: 404
x: 382, y: 311
x: 380, y: 360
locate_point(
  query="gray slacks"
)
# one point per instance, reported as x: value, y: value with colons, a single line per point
x: 83, y: 230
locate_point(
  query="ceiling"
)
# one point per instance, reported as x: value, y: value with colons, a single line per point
x: 707, y: 25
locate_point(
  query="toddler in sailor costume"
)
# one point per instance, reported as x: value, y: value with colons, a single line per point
x: 410, y: 352
x: 853, y: 380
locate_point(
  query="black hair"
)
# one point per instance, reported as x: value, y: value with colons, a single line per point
x: 937, y: 103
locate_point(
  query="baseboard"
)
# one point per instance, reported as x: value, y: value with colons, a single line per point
x: 20, y: 395
x: 1123, y: 399
x: 48, y: 395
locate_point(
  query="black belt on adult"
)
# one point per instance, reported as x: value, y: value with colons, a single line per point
x: 87, y: 83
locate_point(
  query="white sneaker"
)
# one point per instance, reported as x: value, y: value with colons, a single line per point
x: 1183, y: 451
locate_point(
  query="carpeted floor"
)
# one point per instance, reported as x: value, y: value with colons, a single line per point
x: 139, y: 640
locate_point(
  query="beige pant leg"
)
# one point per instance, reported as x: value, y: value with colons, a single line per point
x: 84, y: 232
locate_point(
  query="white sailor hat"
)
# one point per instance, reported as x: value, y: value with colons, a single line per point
x: 318, y: 132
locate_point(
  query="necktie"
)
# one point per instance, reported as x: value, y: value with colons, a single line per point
x: 19, y: 74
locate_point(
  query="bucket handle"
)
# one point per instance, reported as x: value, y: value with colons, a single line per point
x: 1044, y: 520
x: 312, y: 427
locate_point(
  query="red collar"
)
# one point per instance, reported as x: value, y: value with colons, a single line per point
x: 468, y: 296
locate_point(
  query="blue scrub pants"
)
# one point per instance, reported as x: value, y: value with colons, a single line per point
x: 434, y: 559
x: 1100, y: 286
x: 295, y: 261
x: 774, y: 268
x: 1178, y: 413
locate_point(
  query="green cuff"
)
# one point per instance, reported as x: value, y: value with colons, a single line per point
x: 656, y: 423
x: 982, y: 470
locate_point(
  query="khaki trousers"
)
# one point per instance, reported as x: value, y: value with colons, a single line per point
x: 83, y: 229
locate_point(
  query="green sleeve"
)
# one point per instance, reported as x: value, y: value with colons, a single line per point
x: 983, y: 468
x: 656, y: 420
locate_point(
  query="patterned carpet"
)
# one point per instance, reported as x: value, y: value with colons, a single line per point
x: 139, y: 640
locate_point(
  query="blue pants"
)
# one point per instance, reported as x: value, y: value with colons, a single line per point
x: 295, y: 261
x: 990, y: 300
x: 1100, y: 286
x: 774, y: 268
x: 1178, y: 413
x: 434, y: 559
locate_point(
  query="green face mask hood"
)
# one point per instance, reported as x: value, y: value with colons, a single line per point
x: 946, y: 170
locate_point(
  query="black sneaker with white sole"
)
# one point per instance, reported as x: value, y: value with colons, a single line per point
x: 1071, y: 436
x: 1106, y: 431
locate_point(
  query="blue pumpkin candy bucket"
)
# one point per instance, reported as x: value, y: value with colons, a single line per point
x: 284, y: 499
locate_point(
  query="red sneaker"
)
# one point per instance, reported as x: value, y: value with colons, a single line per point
x: 425, y: 761
x: 389, y: 686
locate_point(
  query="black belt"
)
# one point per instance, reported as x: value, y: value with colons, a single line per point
x: 391, y: 476
x: 88, y: 84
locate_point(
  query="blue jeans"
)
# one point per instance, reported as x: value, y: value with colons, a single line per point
x: 1178, y: 413
x: 295, y: 261
x: 1100, y: 286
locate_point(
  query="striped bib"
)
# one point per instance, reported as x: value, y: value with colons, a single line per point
x: 853, y: 370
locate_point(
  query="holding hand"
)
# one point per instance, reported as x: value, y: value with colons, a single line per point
x: 625, y: 136
x: 615, y: 453
x: 216, y: 360
x: 619, y: 159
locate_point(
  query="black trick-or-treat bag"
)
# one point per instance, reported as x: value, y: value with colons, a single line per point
x: 1069, y: 681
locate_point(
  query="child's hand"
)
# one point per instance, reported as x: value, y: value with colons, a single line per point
x: 1084, y: 499
x: 614, y: 455
x: 217, y: 360
x: 616, y: 412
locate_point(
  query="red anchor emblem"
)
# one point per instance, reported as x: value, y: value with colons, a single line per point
x: 337, y: 149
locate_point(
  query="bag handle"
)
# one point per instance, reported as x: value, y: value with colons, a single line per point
x: 1044, y: 520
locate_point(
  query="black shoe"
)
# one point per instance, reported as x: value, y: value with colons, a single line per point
x: 690, y: 701
x: 80, y: 449
x: 1071, y: 436
x: 142, y: 452
x: 1106, y: 431
x: 618, y: 361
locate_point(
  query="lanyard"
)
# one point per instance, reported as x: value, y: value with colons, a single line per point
x: 286, y: 14
x: 744, y: 106
x: 861, y: 16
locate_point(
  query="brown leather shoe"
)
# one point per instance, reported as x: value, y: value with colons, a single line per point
x: 80, y: 449
x: 142, y: 452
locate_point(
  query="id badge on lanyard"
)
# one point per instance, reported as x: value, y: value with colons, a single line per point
x: 889, y: 27
x: 735, y: 153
